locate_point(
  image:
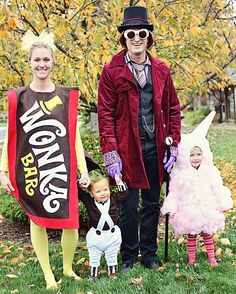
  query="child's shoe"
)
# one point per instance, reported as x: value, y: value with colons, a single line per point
x: 112, y: 271
x: 213, y: 262
x: 113, y: 276
x: 93, y: 279
x: 191, y: 262
x: 94, y: 274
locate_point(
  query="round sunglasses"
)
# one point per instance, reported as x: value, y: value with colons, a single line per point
x: 131, y: 34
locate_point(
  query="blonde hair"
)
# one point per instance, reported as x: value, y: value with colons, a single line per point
x: 40, y: 45
x: 95, y: 177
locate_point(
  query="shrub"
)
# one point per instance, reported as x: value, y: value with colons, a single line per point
x: 10, y: 208
x: 92, y: 146
x: 195, y: 117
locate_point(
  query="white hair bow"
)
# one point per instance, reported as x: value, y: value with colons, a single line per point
x: 29, y: 39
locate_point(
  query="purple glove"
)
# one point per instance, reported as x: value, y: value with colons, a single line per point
x: 114, y: 169
x: 113, y: 163
x: 173, y: 156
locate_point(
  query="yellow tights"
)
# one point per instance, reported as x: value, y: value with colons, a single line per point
x: 39, y: 241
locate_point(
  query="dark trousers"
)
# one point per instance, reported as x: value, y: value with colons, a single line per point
x: 144, y: 241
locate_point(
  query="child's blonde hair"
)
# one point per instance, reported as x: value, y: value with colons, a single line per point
x: 95, y: 177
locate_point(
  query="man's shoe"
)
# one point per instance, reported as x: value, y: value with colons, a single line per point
x: 151, y: 264
x: 126, y: 267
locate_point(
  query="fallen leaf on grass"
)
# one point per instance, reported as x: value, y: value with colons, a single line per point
x: 7, y: 250
x: 81, y: 271
x: 228, y: 251
x: 216, y: 237
x: 190, y: 279
x: 2, y: 244
x: 181, y: 241
x: 136, y: 281
x: 28, y: 248
x: 32, y: 286
x: 11, y: 276
x: 225, y: 241
x: 32, y: 259
x: 21, y: 256
x: 79, y: 293
x: 161, y: 268
x: 21, y: 264
x: 218, y: 252
x: 203, y: 249
x: 15, y: 260
x: 85, y: 248
x: 14, y: 291
x: 81, y: 261
x: 2, y: 260
x: 178, y: 275
x: 103, y: 271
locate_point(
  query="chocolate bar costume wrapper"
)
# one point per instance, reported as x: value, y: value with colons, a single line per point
x: 41, y: 154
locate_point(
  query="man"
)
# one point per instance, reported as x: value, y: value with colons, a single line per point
x: 137, y: 110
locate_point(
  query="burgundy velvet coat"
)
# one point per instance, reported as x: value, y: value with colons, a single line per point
x: 118, y: 109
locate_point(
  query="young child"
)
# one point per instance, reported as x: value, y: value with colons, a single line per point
x: 197, y: 196
x: 104, y: 235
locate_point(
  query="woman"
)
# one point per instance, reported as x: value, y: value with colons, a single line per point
x: 42, y: 153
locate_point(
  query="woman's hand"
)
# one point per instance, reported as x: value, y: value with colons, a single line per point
x: 84, y: 180
x: 6, y: 183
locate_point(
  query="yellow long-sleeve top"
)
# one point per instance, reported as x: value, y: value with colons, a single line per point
x: 81, y: 163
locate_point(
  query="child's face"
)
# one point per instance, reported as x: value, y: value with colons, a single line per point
x: 101, y: 190
x: 196, y: 157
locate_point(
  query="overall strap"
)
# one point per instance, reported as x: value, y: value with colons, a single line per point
x: 105, y: 217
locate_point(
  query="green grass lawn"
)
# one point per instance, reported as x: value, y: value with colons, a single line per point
x: 21, y: 273
x: 223, y: 142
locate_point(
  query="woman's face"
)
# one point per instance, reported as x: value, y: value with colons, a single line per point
x: 196, y: 157
x: 41, y: 63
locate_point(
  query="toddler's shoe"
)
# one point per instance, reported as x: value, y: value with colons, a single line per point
x: 93, y: 279
x: 113, y: 276
x: 213, y: 262
x: 191, y: 262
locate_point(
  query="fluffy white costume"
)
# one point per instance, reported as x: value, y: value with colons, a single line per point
x: 197, y: 197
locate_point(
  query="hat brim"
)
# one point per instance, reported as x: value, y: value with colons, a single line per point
x: 137, y: 25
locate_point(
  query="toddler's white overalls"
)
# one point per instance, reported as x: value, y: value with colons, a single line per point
x: 107, y: 241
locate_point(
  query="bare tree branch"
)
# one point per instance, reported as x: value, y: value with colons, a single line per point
x: 208, y: 12
x: 14, y: 68
x: 25, y: 20
x: 214, y: 75
x: 229, y: 44
x: 82, y: 7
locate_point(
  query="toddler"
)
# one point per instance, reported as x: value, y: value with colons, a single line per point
x: 197, y: 197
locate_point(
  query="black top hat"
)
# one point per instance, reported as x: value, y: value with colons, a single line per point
x: 135, y: 17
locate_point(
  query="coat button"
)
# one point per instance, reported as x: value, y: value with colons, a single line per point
x: 164, y: 125
x: 113, y: 230
x: 98, y: 232
x: 161, y: 111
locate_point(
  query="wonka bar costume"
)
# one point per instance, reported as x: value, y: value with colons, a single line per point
x: 42, y: 156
